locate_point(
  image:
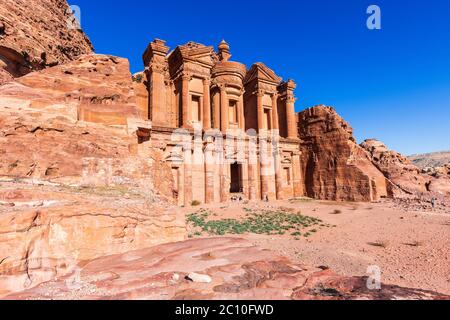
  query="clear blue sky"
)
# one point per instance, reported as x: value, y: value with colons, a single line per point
x: 392, y: 84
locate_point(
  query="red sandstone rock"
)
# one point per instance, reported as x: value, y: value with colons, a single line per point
x: 38, y: 145
x: 5, y: 76
x: 238, y: 270
x: 404, y: 174
x: 36, y: 34
x: 49, y: 230
x: 334, y: 166
x: 94, y: 88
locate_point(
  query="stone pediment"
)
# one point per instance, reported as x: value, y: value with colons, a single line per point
x: 261, y: 72
x: 187, y: 56
x: 197, y: 52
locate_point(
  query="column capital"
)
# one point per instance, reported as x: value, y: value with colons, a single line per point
x: 206, y: 81
x: 222, y: 86
x: 291, y: 99
x: 260, y: 93
x: 157, y: 67
x: 186, y: 76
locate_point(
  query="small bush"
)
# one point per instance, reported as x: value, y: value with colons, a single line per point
x: 337, y: 212
x: 195, y: 203
x: 380, y: 244
x: 415, y: 244
x: 257, y: 222
x: 137, y: 78
x: 13, y: 165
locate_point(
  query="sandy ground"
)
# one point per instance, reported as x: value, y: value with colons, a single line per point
x: 412, y: 249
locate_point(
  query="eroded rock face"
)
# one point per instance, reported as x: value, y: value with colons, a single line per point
x: 40, y: 145
x: 104, y: 191
x: 238, y: 270
x: 334, y: 166
x: 45, y: 231
x: 93, y: 88
x: 38, y: 34
x: 407, y: 178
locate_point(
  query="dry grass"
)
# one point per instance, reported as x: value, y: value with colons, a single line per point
x: 195, y: 203
x: 301, y: 199
x: 415, y: 243
x: 380, y: 244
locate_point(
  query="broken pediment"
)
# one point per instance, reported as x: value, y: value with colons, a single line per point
x: 261, y: 72
x: 197, y: 52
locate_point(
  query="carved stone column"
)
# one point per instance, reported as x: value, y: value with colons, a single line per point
x: 156, y: 68
x: 185, y: 100
x: 275, y: 125
x: 290, y: 115
x: 278, y: 175
x: 216, y: 110
x: 206, y: 104
x: 263, y: 183
x: 209, y: 173
x: 241, y: 112
x: 260, y: 110
x: 252, y: 167
x: 297, y: 174
x: 224, y: 109
x: 224, y: 183
x: 187, y: 157
x: 264, y: 155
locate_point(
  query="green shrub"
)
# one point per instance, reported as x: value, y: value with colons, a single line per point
x: 195, y: 203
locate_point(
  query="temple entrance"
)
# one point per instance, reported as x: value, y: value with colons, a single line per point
x: 236, y: 178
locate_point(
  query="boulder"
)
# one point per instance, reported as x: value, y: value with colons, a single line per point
x: 200, y: 278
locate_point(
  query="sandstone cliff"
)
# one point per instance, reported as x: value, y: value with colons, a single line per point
x: 93, y: 88
x: 404, y: 174
x: 37, y: 34
x: 76, y: 184
x: 334, y: 166
x: 74, y: 123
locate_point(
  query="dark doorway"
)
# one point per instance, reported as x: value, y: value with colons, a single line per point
x: 236, y: 178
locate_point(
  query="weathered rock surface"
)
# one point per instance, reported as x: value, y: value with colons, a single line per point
x: 431, y: 160
x: 46, y: 230
x: 334, y: 166
x: 38, y: 34
x: 49, y: 144
x: 5, y: 76
x: 238, y: 270
x: 94, y: 88
x: 404, y: 174
x: 90, y: 188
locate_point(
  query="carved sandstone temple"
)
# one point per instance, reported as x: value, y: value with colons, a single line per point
x: 207, y: 96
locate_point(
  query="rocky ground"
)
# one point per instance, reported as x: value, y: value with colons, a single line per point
x: 410, y: 247
x: 113, y: 231
x: 216, y: 268
x: 48, y: 228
